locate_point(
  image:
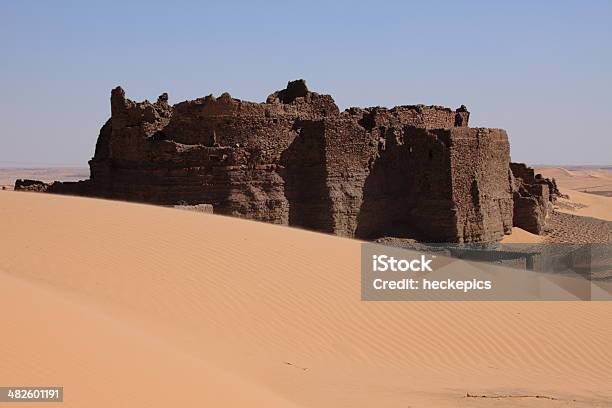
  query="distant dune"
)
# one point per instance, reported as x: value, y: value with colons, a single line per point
x: 586, y: 179
x: 142, y: 306
x: 589, y: 190
x: 586, y: 205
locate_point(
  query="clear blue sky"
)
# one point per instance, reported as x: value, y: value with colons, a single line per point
x: 540, y: 69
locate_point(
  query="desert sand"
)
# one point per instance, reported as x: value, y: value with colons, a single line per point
x: 586, y: 188
x: 581, y: 178
x: 586, y: 205
x: 135, y: 305
x: 520, y: 236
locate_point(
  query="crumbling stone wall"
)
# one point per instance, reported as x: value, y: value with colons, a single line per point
x: 440, y: 185
x: 31, y: 185
x: 533, y: 196
x: 412, y: 170
x: 479, y: 168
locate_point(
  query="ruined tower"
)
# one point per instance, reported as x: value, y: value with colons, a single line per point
x: 297, y: 160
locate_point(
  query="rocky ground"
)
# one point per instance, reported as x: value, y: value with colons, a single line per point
x: 8, y: 175
x: 568, y: 228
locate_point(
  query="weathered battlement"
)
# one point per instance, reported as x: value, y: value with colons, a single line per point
x: 429, y: 117
x: 297, y: 160
x: 533, y: 197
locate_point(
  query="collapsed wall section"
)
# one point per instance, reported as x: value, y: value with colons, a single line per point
x: 423, y: 116
x: 533, y: 196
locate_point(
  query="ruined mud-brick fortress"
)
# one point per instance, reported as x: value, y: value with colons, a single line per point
x: 410, y: 171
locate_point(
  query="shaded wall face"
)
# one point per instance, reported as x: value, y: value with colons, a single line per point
x: 521, y: 171
x: 304, y: 175
x: 407, y: 188
x: 325, y: 170
x: 430, y: 206
x: 442, y: 185
x: 481, y: 186
x: 529, y: 214
x: 532, y: 198
x: 407, y: 192
x: 343, y: 179
x: 349, y: 153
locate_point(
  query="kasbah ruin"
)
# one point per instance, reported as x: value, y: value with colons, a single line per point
x: 409, y: 171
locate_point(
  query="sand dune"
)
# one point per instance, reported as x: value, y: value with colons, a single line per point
x: 520, y: 236
x: 135, y: 305
x: 105, y: 361
x: 585, y: 186
x: 589, y: 205
x: 580, y: 178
